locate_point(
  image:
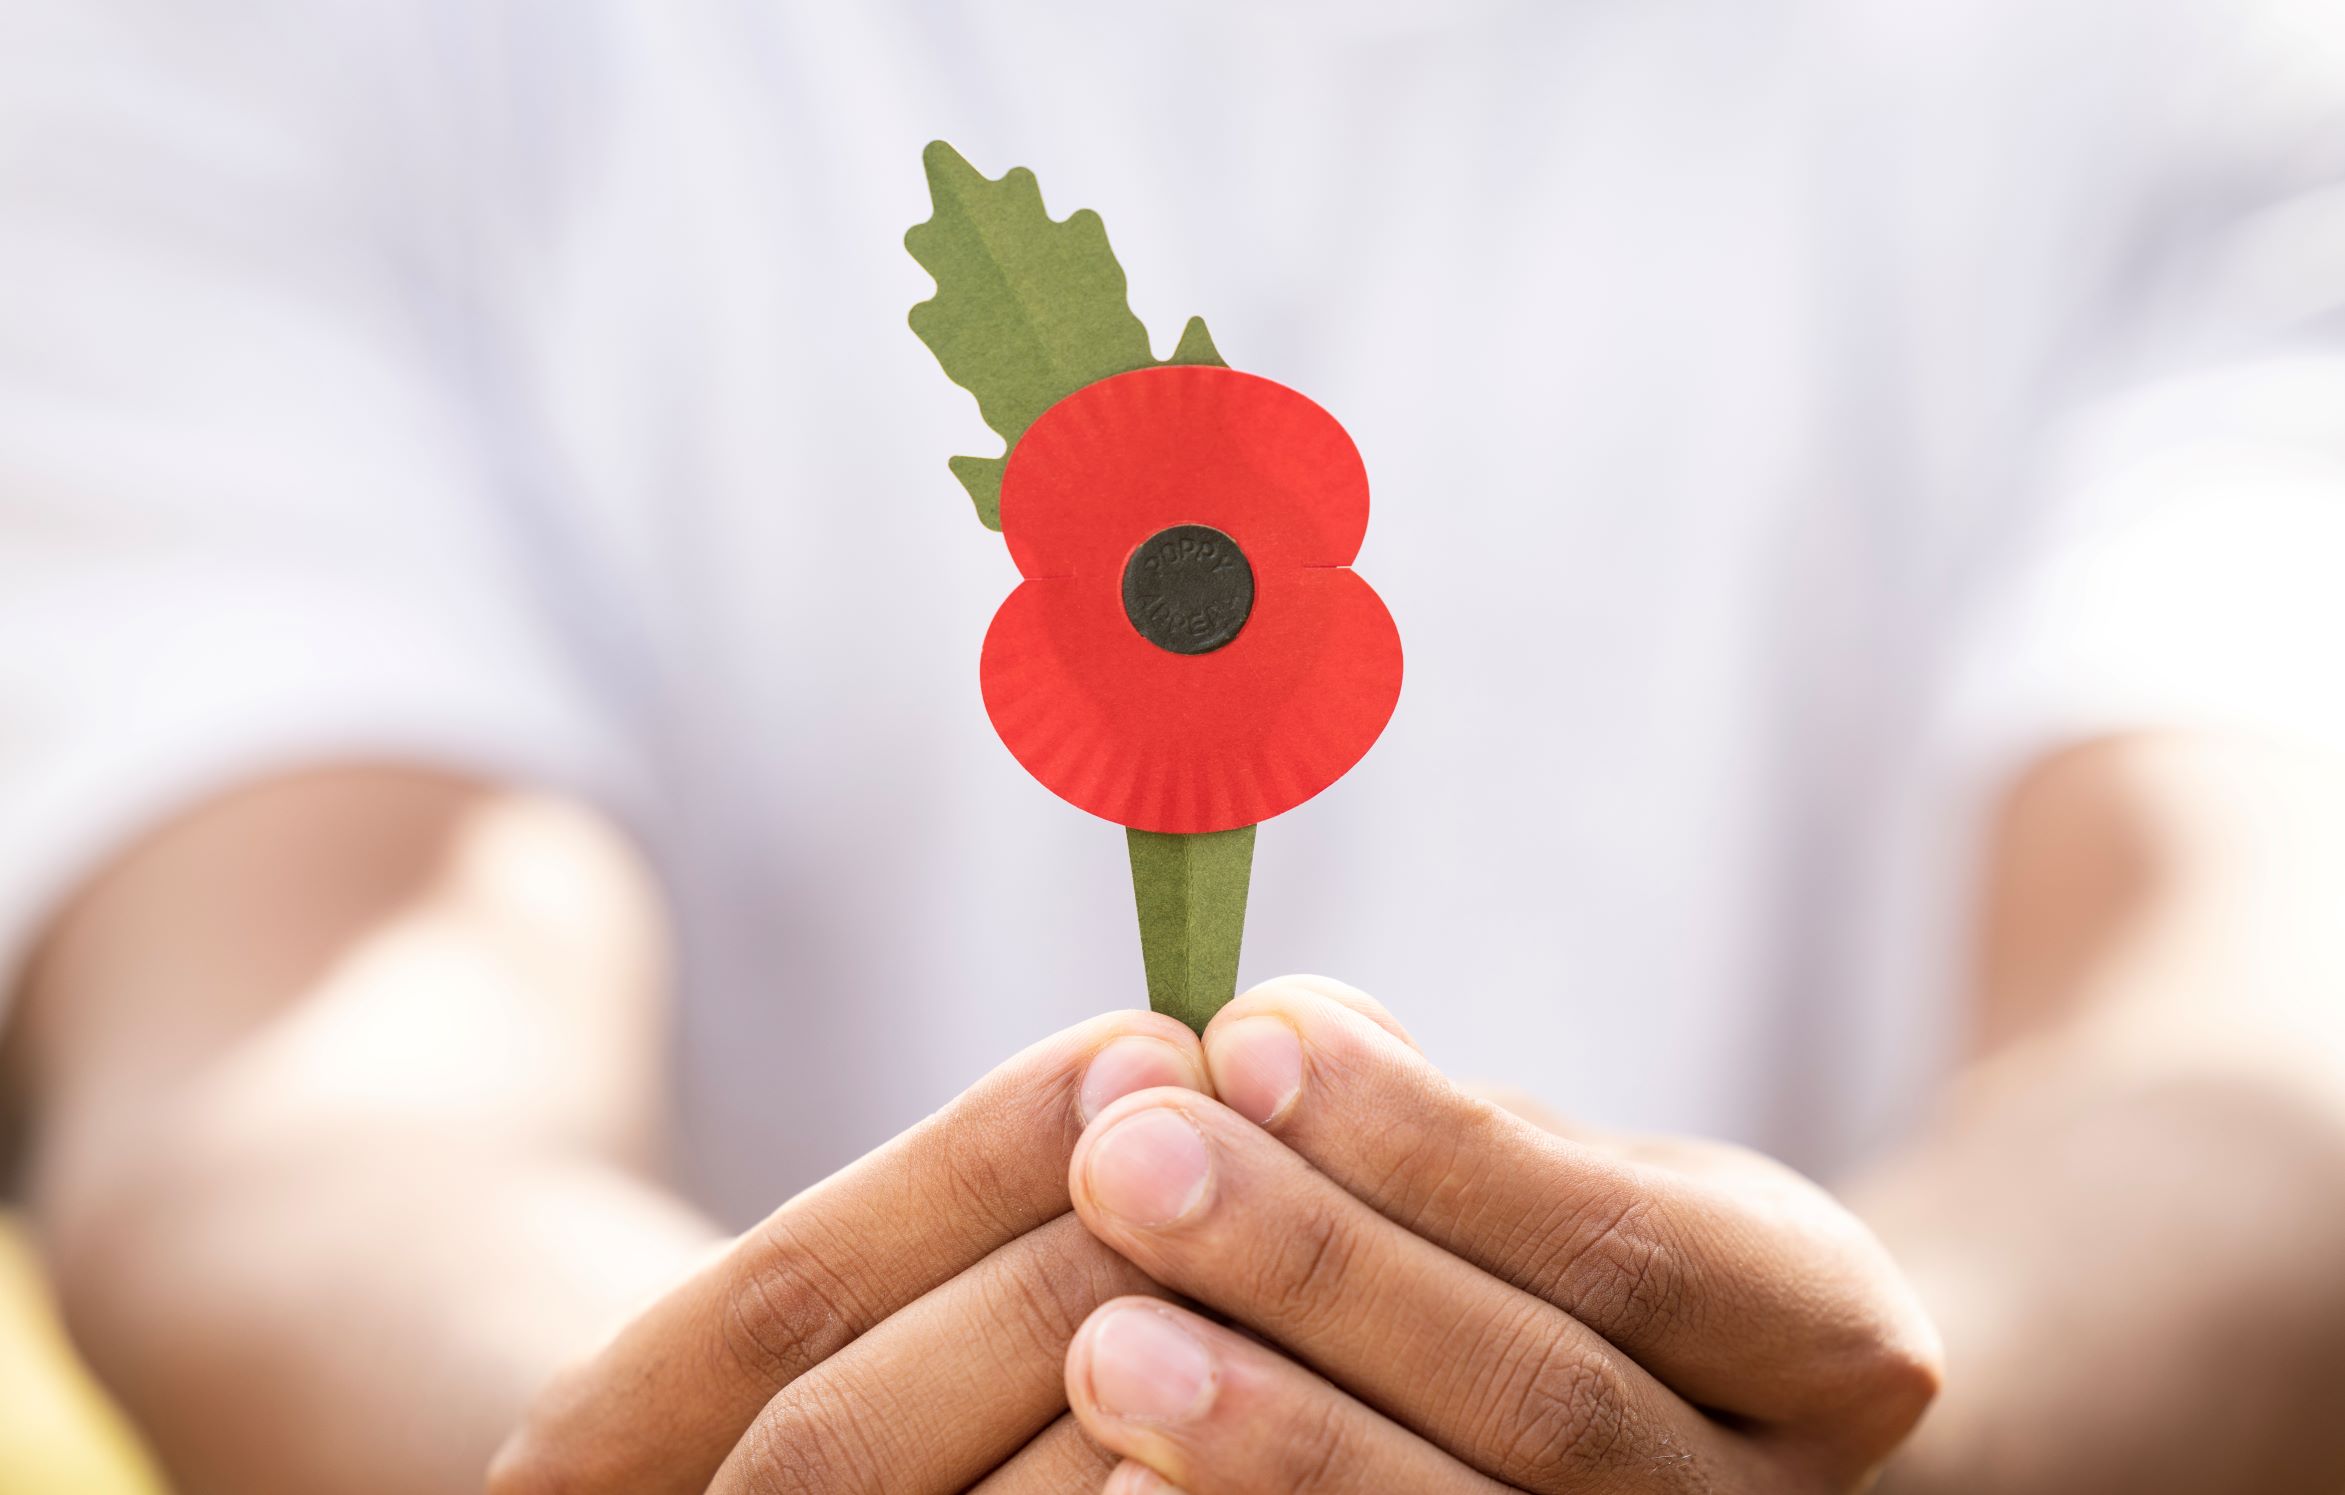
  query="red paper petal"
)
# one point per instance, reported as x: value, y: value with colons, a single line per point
x: 1115, y: 462
x: 1202, y: 742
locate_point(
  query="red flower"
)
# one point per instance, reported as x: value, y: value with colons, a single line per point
x: 1189, y: 650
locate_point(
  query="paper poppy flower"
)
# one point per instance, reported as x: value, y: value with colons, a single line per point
x: 1189, y: 650
x: 1189, y: 653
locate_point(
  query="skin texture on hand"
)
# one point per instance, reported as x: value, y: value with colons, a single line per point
x: 348, y: 1087
x: 899, y: 1327
x: 314, y: 1243
x: 2127, y: 1218
x: 1439, y: 1295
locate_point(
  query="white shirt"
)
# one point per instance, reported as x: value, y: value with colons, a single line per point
x: 1784, y: 420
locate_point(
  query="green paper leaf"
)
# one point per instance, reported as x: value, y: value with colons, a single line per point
x: 1027, y: 310
x: 982, y: 476
x: 1196, y: 346
x: 1192, y: 896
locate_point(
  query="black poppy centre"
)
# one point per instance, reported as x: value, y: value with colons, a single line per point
x: 1188, y: 589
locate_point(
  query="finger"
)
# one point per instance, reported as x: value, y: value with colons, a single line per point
x: 1213, y: 1208
x: 1693, y: 1156
x: 1337, y: 992
x: 1211, y: 1411
x: 1138, y: 1479
x: 1061, y: 1460
x: 659, y: 1409
x: 943, y: 1391
x: 1533, y: 1110
x: 1741, y: 1287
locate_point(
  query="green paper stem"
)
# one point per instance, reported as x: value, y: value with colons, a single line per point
x: 1192, y: 896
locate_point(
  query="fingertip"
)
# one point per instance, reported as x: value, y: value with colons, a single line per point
x: 1093, y: 1034
x: 1159, y: 1025
x: 1129, y: 1478
x: 1138, y: 1360
x: 1137, y: 1061
x: 1301, y: 995
x: 1256, y: 1066
x: 1261, y: 1050
x: 1065, y: 1056
x: 1145, y: 1163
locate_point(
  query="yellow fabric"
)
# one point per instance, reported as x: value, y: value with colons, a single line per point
x: 58, y: 1433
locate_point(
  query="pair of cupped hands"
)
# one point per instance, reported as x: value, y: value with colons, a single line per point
x: 1290, y: 1257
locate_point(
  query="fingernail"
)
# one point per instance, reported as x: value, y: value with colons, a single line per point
x: 1137, y: 1479
x: 1132, y: 1064
x: 1147, y: 1368
x: 1150, y: 1168
x: 1257, y: 1067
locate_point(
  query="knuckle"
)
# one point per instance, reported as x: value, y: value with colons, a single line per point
x: 996, y: 1155
x: 986, y: 1187
x: 1309, y: 1271
x: 1039, y: 1309
x: 775, y: 1462
x: 1045, y: 1297
x: 1563, y: 1411
x: 1908, y: 1375
x: 1613, y: 1268
x: 784, y: 1312
x: 1047, y: 1090
x: 807, y: 1448
x: 1425, y: 1170
x: 1883, y: 1379
x: 1321, y: 1455
x: 1002, y: 1146
x: 1435, y: 1156
x: 1870, y: 1356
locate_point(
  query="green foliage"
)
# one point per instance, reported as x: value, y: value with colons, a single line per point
x: 1196, y: 346
x: 1027, y: 310
x: 982, y: 476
